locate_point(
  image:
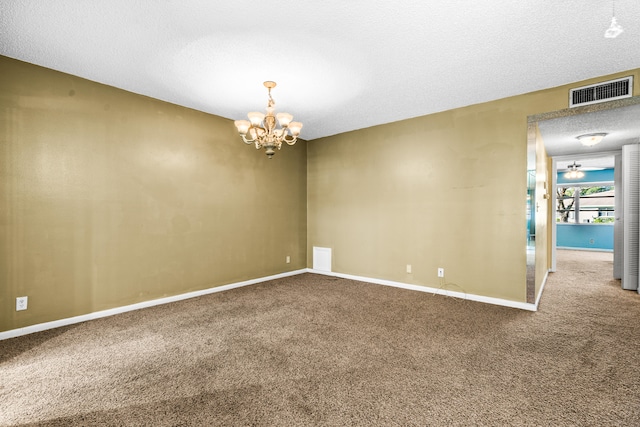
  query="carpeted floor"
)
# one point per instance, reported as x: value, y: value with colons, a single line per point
x: 314, y: 350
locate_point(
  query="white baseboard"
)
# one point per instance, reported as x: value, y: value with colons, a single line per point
x: 571, y: 248
x: 110, y: 312
x: 113, y: 311
x: 437, y: 291
x: 544, y: 282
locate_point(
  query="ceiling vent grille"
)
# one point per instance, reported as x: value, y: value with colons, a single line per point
x: 601, y: 92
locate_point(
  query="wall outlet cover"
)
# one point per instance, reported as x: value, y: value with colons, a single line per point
x: 21, y: 303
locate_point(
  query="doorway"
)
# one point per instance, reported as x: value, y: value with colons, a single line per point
x: 558, y: 131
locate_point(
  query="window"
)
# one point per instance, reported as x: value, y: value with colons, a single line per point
x: 585, y: 205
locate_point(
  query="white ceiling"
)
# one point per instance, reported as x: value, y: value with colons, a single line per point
x: 622, y: 126
x: 340, y: 65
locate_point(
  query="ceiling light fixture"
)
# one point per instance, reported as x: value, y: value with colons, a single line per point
x: 614, y: 29
x: 262, y: 131
x: 574, y: 173
x: 591, y: 139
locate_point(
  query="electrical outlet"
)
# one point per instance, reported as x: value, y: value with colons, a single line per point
x: 440, y: 272
x: 288, y: 259
x: 408, y: 268
x: 21, y: 303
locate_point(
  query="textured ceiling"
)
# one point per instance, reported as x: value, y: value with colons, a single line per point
x: 622, y: 126
x: 340, y: 65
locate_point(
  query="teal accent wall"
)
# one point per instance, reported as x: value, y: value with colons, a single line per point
x: 585, y: 236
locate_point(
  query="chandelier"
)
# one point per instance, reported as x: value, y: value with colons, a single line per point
x: 574, y: 173
x: 261, y: 128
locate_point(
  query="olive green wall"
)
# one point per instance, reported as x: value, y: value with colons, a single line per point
x: 443, y: 190
x: 110, y: 198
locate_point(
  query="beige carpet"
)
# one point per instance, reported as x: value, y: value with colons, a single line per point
x: 313, y: 350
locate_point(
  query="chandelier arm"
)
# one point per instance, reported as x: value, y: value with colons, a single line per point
x: 248, y: 141
x: 290, y: 141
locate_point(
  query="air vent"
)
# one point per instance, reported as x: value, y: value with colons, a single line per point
x: 601, y: 92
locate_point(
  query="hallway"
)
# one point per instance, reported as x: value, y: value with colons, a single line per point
x: 590, y: 270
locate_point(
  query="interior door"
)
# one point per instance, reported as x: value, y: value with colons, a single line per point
x: 631, y: 215
x: 618, y: 225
